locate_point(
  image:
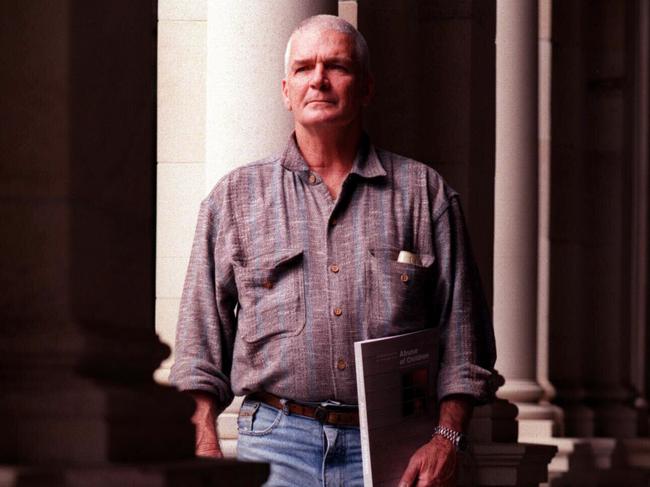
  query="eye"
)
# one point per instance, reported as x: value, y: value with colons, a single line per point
x: 337, y: 67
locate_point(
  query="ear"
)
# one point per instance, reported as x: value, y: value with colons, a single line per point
x: 285, y: 95
x: 367, y: 90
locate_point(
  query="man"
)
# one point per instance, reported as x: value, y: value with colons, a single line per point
x: 295, y: 259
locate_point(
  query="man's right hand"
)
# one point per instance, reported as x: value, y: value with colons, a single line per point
x: 205, y: 420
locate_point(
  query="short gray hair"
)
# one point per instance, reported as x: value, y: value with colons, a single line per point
x: 332, y: 22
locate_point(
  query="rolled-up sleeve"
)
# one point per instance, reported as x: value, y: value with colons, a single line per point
x: 467, y: 348
x: 206, y: 324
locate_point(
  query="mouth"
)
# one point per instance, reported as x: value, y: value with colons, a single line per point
x: 328, y: 102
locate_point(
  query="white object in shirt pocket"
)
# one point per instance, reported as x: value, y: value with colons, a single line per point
x: 399, y: 293
x: 271, y: 295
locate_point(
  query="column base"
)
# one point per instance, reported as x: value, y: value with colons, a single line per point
x: 616, y: 421
x: 538, y: 421
x: 579, y: 421
x: 637, y: 452
x: 521, y: 391
x: 495, y: 422
x: 496, y: 459
x: 506, y: 464
x: 600, y: 462
x: 197, y: 472
x: 610, y: 469
x: 607, y: 478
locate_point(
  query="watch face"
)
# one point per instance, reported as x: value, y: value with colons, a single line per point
x: 462, y: 443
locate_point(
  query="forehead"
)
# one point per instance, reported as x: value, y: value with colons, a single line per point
x: 318, y: 42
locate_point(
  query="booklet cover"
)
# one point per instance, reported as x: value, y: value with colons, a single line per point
x: 396, y: 383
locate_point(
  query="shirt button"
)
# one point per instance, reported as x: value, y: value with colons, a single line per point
x: 404, y: 277
x: 340, y: 364
x: 334, y: 268
x: 338, y: 311
x: 267, y: 284
x: 312, y: 179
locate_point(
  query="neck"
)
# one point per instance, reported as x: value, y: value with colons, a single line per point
x: 329, y: 151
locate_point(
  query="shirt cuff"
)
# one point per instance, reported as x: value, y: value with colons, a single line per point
x: 468, y: 379
x: 202, y: 376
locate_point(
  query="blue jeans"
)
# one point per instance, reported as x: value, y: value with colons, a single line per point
x: 302, y: 451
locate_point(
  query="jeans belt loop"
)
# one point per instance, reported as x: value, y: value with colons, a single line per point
x: 285, y: 406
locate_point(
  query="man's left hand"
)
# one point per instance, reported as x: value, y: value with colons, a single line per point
x: 433, y: 464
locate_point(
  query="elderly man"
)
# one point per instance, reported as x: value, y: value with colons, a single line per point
x: 295, y: 259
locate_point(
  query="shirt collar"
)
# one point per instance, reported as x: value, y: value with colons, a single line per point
x: 366, y: 164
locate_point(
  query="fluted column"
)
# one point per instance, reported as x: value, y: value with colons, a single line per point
x: 516, y: 207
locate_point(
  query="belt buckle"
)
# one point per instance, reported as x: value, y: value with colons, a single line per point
x: 321, y: 414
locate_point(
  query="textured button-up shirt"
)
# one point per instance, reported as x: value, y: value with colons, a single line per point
x: 283, y: 279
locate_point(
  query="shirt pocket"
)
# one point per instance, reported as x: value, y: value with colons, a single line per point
x: 400, y: 294
x: 271, y: 295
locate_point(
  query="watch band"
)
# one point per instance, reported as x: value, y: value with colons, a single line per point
x: 459, y: 440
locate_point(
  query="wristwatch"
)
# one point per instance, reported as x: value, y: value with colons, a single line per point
x: 459, y: 440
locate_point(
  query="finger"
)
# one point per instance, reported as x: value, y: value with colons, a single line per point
x: 410, y: 475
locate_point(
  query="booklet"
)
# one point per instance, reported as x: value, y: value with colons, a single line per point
x: 396, y: 385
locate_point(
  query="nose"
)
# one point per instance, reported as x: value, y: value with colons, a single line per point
x: 318, y: 79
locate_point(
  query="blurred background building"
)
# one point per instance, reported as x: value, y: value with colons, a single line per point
x: 118, y: 117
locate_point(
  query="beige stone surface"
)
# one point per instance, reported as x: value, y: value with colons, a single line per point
x: 246, y: 119
x: 170, y: 275
x: 180, y: 191
x: 227, y: 424
x: 348, y: 11
x: 235, y: 405
x: 181, y: 90
x: 166, y: 314
x: 545, y: 19
x: 516, y: 203
x: 182, y: 9
x: 229, y: 448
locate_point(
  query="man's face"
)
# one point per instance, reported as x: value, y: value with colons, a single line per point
x: 324, y: 85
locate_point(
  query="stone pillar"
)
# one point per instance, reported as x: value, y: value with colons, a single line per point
x: 607, y: 210
x: 567, y: 297
x: 590, y: 330
x: 592, y: 274
x: 516, y: 210
x: 246, y: 119
x: 434, y: 72
x: 78, y: 349
x: 544, y: 200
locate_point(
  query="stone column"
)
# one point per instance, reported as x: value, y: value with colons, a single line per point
x: 589, y: 336
x: 434, y: 70
x: 606, y: 208
x: 245, y: 117
x: 567, y: 297
x: 434, y: 73
x: 516, y: 212
x: 78, y: 349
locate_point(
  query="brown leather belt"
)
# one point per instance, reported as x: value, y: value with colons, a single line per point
x: 325, y: 414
